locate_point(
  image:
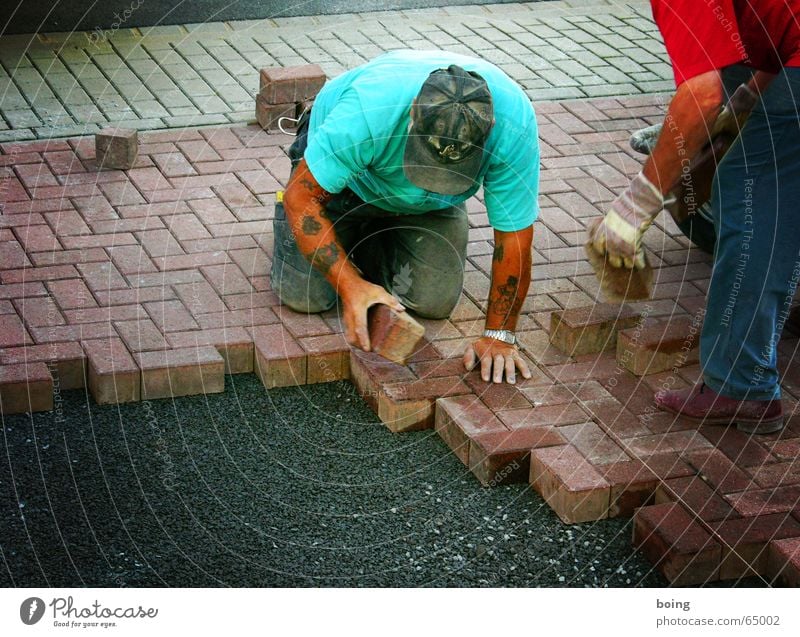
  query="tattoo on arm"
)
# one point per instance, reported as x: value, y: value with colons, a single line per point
x: 498, y: 252
x: 505, y: 301
x: 307, y: 184
x: 324, y: 257
x: 311, y: 226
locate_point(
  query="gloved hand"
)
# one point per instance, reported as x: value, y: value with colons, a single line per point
x: 733, y: 116
x: 619, y: 233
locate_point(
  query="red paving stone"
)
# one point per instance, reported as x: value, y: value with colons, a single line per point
x: 153, y: 281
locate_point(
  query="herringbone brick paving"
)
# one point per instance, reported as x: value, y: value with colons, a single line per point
x: 64, y: 84
x: 153, y: 282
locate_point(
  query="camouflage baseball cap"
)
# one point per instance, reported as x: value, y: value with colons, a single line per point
x: 450, y: 122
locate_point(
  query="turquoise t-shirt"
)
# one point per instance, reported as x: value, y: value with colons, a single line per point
x: 357, y: 136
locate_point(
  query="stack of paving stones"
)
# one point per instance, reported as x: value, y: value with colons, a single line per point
x: 153, y: 282
x: 286, y: 92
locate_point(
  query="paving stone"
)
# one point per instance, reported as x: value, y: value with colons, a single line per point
x: 588, y: 330
x: 501, y: 457
x: 569, y: 484
x: 549, y: 416
x: 745, y: 543
x: 234, y: 344
x: 279, y: 360
x: 562, y: 394
x: 393, y: 335
x: 292, y: 84
x: 12, y: 331
x: 112, y: 374
x: 64, y: 360
x: 657, y: 346
x: 25, y: 387
x: 269, y: 115
x: 594, y: 444
x: 682, y: 550
x: 328, y: 358
x: 719, y: 472
x: 697, y: 496
x: 783, y: 562
x: 766, y: 501
x: 181, y: 372
x: 497, y: 396
x: 369, y: 372
x: 409, y: 406
x: 633, y: 485
x: 117, y: 147
x: 460, y: 418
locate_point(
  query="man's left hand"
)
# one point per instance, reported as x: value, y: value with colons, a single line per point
x: 497, y: 359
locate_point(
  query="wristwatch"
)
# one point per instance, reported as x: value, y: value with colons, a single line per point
x: 505, y: 336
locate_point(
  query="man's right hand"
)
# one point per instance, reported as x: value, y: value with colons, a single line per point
x: 357, y: 300
x: 619, y: 234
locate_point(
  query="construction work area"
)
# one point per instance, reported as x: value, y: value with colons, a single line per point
x: 140, y: 175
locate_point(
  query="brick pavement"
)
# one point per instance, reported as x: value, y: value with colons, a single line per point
x: 62, y: 84
x: 153, y: 282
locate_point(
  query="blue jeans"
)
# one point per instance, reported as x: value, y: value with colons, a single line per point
x: 756, y: 207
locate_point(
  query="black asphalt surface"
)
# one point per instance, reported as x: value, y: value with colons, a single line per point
x: 289, y: 487
x: 33, y: 16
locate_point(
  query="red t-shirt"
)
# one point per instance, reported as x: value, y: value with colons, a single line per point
x: 703, y: 35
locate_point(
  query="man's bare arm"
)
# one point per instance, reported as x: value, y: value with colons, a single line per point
x: 304, y: 202
x: 687, y: 126
x: 511, y: 276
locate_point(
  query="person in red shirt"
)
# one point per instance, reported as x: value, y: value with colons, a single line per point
x: 754, y: 202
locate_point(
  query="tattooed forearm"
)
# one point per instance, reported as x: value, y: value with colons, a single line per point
x: 504, y: 301
x: 311, y: 226
x: 498, y: 252
x: 324, y: 257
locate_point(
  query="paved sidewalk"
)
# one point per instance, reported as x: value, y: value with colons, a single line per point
x: 58, y: 85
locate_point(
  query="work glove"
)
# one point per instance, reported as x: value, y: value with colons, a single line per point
x: 619, y: 233
x: 733, y: 116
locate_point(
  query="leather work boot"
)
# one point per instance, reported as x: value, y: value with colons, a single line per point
x: 702, y: 404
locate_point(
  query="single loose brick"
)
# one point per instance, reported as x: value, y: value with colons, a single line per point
x: 569, y: 484
x: 393, y: 335
x: 268, y: 115
x: 370, y: 372
x: 684, y: 552
x: 657, y: 346
x: 113, y: 375
x: 460, y: 418
x: 409, y: 406
x: 783, y: 562
x: 328, y: 358
x: 589, y: 330
x: 116, y: 148
x: 181, y: 372
x: 25, y: 387
x: 290, y: 84
x: 279, y: 360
